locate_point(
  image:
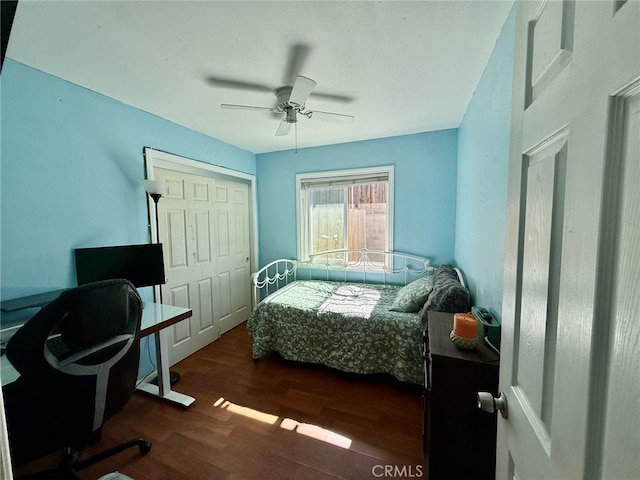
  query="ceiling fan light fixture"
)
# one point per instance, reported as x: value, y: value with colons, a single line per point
x: 291, y: 115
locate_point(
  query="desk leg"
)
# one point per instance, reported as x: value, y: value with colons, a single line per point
x: 163, y: 389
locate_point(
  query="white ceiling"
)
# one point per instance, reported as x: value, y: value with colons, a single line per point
x: 407, y: 67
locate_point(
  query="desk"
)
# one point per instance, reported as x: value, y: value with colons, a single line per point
x: 155, y: 319
x: 37, y: 300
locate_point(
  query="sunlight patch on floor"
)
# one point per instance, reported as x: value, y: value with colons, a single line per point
x: 314, y: 431
x: 306, y: 429
x: 246, y: 411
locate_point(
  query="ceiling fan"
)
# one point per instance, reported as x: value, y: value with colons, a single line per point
x: 291, y: 102
x: 291, y: 98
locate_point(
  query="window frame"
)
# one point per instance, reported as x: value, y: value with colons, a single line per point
x: 302, y: 240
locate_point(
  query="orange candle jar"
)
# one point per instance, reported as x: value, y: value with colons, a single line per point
x: 465, y: 331
x: 465, y: 325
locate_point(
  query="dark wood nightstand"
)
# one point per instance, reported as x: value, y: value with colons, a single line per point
x: 459, y: 439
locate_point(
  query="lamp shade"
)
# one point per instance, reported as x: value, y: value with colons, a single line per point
x: 155, y: 187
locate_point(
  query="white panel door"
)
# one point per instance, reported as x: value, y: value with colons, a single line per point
x: 621, y: 432
x: 193, y: 244
x: 570, y: 332
x: 233, y: 256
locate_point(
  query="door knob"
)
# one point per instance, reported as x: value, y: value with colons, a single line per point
x: 488, y: 403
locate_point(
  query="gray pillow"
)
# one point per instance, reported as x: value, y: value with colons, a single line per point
x: 448, y: 294
x: 412, y: 296
x: 445, y: 272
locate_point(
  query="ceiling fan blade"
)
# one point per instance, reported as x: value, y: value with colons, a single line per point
x: 283, y: 128
x: 339, y: 117
x: 245, y: 107
x: 237, y: 84
x: 297, y: 57
x: 333, y: 97
x: 302, y: 88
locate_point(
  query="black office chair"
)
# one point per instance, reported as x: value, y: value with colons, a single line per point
x: 78, y: 363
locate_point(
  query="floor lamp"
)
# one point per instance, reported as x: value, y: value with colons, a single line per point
x: 156, y: 190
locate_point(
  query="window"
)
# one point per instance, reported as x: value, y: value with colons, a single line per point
x: 345, y: 209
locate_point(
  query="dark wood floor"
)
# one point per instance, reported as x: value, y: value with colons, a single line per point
x: 268, y: 419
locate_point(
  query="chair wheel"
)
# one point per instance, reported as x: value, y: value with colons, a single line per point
x: 70, y: 456
x: 144, y: 447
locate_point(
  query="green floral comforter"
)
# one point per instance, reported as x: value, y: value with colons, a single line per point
x: 341, y: 325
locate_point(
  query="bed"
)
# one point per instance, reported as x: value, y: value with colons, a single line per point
x: 359, y: 311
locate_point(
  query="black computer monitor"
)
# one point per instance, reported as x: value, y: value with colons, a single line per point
x: 142, y: 265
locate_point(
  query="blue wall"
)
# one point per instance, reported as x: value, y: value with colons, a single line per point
x: 71, y: 161
x: 425, y: 196
x: 483, y: 154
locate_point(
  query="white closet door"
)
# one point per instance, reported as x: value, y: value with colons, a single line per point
x: 198, y: 240
x: 232, y: 250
